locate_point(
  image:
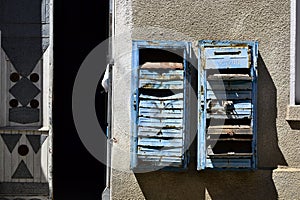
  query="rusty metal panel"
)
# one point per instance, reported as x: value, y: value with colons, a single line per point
x: 159, y: 109
x: 227, y: 83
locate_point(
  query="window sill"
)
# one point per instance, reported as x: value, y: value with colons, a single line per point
x: 293, y: 113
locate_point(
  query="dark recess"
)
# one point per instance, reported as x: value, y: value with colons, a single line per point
x: 79, y: 26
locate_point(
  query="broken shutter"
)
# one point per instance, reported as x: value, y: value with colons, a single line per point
x: 227, y: 104
x: 160, y: 105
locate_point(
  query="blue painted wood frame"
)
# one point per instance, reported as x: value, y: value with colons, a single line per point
x: 176, y: 45
x: 222, y: 47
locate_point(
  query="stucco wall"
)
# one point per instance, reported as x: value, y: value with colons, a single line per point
x: 268, y: 22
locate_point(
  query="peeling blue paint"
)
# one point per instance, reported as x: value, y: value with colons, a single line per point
x: 159, y: 111
x: 227, y: 86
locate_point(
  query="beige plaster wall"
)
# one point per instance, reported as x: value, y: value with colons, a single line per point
x: 268, y: 22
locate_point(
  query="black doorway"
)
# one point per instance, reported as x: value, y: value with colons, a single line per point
x: 79, y: 26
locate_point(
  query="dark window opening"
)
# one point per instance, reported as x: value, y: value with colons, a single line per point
x: 160, y: 55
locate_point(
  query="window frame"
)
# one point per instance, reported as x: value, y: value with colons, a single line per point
x: 293, y: 109
x: 293, y: 54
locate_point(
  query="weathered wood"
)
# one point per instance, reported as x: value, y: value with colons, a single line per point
x: 154, y: 84
x: 232, y: 130
x: 159, y: 142
x: 229, y: 77
x: 229, y: 85
x: 162, y: 74
x: 223, y: 111
x: 162, y: 65
x: 232, y: 155
x: 227, y: 116
x: 17, y: 159
x: 162, y: 116
x: 7, y: 165
x: 229, y: 127
x: 234, y: 104
x: 160, y: 113
x: 44, y: 164
x: 226, y: 57
x: 229, y: 109
x: 153, y: 111
x: 167, y: 123
x: 231, y: 139
x: 229, y: 51
x: 162, y: 160
x: 228, y: 163
x: 228, y: 95
x: 37, y: 167
x: 165, y: 120
x: 177, y: 152
x: 2, y: 146
x: 161, y: 104
x: 159, y: 132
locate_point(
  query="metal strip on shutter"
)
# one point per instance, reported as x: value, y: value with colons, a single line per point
x: 159, y: 118
x: 227, y: 105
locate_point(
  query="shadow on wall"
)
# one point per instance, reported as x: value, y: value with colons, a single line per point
x: 231, y: 185
x: 295, y: 125
x: 269, y: 154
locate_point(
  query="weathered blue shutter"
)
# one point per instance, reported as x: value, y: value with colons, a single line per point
x: 227, y: 104
x: 159, y: 105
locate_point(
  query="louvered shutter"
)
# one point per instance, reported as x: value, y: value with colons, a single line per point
x: 159, y: 105
x: 227, y: 104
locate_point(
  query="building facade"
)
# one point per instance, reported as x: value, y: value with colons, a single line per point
x: 273, y: 25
